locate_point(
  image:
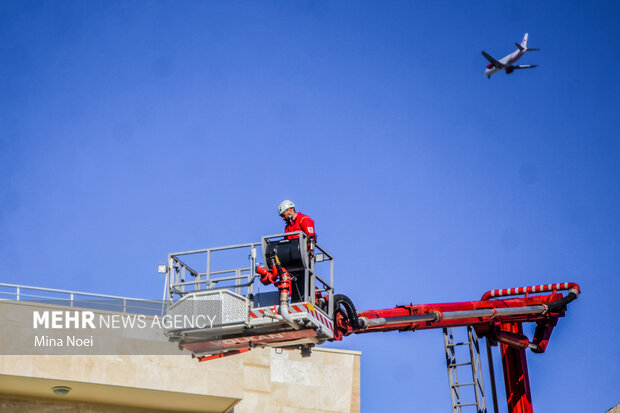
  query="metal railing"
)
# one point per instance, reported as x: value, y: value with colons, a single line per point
x: 178, y: 281
x: 183, y: 277
x: 77, y: 299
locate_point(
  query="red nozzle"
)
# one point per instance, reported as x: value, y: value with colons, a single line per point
x: 267, y: 277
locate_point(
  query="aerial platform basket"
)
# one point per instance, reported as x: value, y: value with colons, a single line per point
x: 223, y: 308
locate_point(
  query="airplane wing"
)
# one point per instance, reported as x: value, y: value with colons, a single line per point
x: 492, y: 60
x: 524, y: 66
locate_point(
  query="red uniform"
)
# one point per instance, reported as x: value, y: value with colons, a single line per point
x: 301, y: 223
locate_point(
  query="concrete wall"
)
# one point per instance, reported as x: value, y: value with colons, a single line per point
x: 615, y: 409
x: 283, y: 381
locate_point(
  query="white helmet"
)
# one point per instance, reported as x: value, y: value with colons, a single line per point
x: 284, y: 205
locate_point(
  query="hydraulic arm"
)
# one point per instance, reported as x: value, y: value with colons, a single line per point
x: 498, y: 316
x: 485, y: 315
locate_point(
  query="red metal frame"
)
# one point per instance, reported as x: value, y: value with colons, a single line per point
x: 482, y: 324
x: 504, y: 327
x: 516, y: 378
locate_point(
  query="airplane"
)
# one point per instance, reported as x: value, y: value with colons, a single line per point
x: 507, y: 63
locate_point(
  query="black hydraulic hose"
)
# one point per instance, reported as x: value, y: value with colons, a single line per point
x: 349, y: 307
x: 562, y: 302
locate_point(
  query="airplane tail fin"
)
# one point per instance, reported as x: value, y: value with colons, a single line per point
x: 523, y: 45
x: 524, y: 42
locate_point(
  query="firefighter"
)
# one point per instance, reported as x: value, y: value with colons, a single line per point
x: 296, y: 221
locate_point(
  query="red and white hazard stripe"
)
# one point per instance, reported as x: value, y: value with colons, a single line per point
x: 531, y: 289
x: 259, y: 313
x: 296, y: 309
x: 322, y: 319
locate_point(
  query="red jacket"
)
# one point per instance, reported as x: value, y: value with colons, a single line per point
x: 301, y: 223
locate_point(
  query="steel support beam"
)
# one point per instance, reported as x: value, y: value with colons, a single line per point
x: 516, y: 379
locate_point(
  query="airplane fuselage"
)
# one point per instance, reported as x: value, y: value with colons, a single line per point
x: 507, y: 61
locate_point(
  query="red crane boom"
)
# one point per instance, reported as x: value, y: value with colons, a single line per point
x: 498, y: 316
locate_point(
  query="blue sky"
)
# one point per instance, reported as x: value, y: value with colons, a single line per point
x: 132, y: 129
